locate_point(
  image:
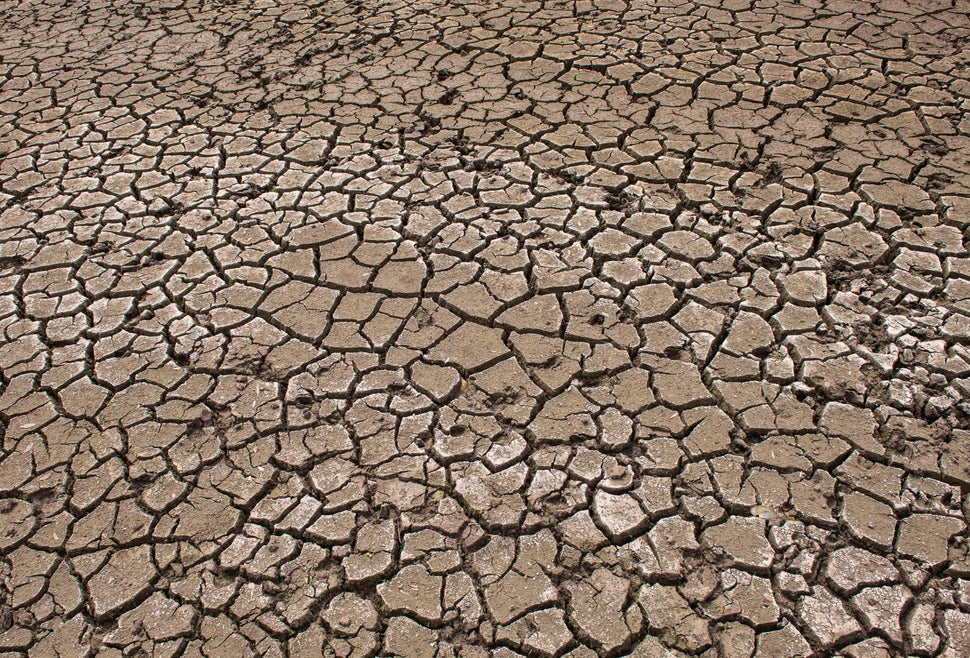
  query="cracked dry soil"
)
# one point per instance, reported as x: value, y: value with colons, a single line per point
x: 444, y: 329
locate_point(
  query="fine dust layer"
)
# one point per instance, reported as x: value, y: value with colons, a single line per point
x: 444, y: 329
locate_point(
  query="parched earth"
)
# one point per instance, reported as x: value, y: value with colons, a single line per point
x: 460, y: 329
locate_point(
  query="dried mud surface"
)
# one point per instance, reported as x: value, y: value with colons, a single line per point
x: 438, y: 329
